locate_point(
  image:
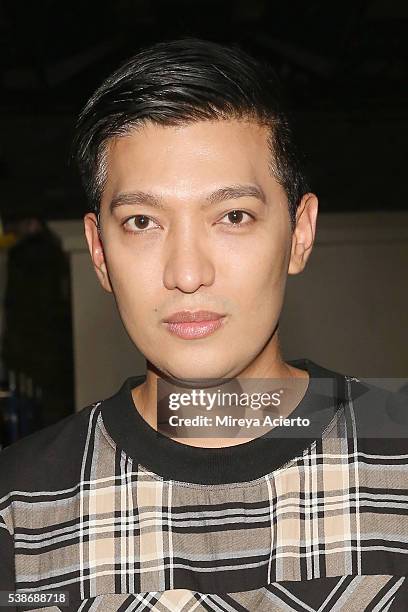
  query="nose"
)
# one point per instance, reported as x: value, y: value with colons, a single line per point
x: 188, y: 263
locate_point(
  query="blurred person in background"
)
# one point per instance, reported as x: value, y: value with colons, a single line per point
x: 37, y: 335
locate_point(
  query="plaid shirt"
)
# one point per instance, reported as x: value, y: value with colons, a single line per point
x: 99, y: 506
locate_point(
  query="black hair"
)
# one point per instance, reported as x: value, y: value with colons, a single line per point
x: 179, y: 81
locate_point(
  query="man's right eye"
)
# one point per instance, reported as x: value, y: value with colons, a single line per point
x: 136, y: 224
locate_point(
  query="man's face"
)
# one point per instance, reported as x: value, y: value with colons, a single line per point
x: 191, y: 254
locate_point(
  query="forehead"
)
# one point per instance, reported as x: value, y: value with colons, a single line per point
x: 188, y: 157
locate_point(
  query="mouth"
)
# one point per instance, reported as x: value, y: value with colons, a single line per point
x: 190, y: 330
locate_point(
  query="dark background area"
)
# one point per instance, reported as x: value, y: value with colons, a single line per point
x: 344, y: 66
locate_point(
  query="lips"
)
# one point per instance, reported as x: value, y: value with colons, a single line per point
x: 194, y: 325
x: 187, y: 316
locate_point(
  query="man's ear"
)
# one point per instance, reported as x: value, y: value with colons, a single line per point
x: 96, y: 250
x: 304, y: 233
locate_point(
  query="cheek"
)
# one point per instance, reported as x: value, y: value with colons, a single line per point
x: 131, y: 280
x: 261, y: 266
x: 261, y: 286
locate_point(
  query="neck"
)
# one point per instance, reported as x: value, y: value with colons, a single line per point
x: 269, y: 364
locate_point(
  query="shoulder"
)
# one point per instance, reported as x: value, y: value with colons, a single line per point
x: 375, y: 404
x: 368, y: 398
x: 48, y: 458
x: 372, y: 411
x: 378, y: 418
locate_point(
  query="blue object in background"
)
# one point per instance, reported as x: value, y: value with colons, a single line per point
x: 25, y: 407
x: 10, y: 412
x: 20, y: 409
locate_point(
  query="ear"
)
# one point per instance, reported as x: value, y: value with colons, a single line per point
x: 304, y: 233
x: 95, y: 246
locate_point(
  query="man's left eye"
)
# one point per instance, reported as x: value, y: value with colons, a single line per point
x: 236, y: 217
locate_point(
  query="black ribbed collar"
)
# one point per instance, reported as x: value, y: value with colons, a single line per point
x: 173, y: 460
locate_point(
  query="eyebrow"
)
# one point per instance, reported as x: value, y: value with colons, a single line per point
x: 229, y: 192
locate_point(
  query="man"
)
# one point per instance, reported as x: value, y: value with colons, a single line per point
x: 198, y: 203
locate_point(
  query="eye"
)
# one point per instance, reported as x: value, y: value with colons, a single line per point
x: 137, y: 224
x: 236, y: 215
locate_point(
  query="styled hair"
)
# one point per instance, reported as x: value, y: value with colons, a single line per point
x: 181, y: 81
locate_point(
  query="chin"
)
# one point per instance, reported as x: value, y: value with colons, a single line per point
x: 196, y: 373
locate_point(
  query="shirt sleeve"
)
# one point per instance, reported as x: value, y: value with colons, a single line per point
x: 7, y: 567
x: 7, y: 570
